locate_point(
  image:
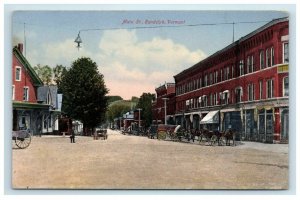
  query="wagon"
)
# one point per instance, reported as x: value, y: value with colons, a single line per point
x: 22, y: 138
x: 212, y: 137
x: 102, y: 133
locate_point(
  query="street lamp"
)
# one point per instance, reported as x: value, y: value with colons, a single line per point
x: 165, y: 102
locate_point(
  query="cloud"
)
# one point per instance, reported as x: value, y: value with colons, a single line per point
x: 130, y: 66
x: 135, y: 65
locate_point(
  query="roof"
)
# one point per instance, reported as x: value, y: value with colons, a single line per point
x: 35, y: 78
x: 43, y: 91
x: 234, y: 44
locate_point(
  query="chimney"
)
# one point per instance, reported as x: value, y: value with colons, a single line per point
x: 20, y: 47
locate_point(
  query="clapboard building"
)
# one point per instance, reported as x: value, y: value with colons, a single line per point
x: 244, y: 86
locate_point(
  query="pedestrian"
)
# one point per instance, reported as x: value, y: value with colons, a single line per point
x: 72, y: 137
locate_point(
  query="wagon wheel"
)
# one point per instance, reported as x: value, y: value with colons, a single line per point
x: 213, y: 140
x: 222, y: 141
x: 23, y: 142
x: 202, y: 139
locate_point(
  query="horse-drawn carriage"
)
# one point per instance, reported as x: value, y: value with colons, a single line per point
x: 216, y: 137
x: 102, y: 133
x: 22, y: 138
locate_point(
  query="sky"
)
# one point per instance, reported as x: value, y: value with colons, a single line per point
x: 136, y: 51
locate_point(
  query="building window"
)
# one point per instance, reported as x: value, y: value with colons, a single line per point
x: 216, y: 76
x: 250, y: 92
x: 211, y: 79
x: 260, y: 89
x: 272, y: 57
x: 25, y: 94
x: 262, y: 59
x: 270, y: 87
x: 215, y: 99
x: 285, y: 52
x: 225, y: 97
x: 232, y: 71
x: 205, y: 80
x: 13, y: 92
x: 200, y: 82
x: 221, y: 73
x: 286, y: 86
x: 268, y: 58
x: 238, y: 94
x: 204, y: 100
x: 241, y: 67
x: 226, y: 73
x: 18, y: 73
x: 211, y: 99
x: 250, y: 64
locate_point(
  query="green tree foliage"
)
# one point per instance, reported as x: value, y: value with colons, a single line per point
x: 44, y: 72
x: 114, y: 98
x: 58, y: 72
x: 145, y: 103
x: 135, y: 99
x: 117, y: 109
x: 84, y: 93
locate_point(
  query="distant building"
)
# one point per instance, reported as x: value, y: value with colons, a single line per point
x: 244, y: 86
x: 166, y: 91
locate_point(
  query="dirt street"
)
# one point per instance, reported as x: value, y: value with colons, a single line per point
x: 134, y: 162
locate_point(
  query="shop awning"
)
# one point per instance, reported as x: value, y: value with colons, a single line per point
x: 211, y: 118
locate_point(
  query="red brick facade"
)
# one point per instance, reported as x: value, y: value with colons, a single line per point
x: 244, y: 81
x: 158, y: 106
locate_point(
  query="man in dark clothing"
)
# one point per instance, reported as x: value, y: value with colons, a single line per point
x: 72, y: 137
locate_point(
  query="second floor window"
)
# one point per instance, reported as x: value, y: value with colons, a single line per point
x: 18, y: 74
x: 260, y: 89
x: 250, y: 92
x: 238, y: 94
x: 25, y: 94
x: 270, y: 88
x: 272, y: 57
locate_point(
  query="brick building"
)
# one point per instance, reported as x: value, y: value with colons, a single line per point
x: 243, y: 86
x: 166, y: 91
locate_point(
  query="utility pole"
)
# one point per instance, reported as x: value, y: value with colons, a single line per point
x: 139, y: 109
x: 165, y: 102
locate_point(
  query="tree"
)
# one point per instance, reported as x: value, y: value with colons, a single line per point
x: 114, y: 98
x: 145, y: 103
x: 44, y: 72
x: 117, y: 110
x: 58, y: 72
x: 84, y: 93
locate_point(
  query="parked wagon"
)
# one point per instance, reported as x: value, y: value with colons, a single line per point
x: 22, y: 138
x: 212, y: 137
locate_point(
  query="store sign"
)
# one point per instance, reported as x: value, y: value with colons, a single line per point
x: 283, y: 68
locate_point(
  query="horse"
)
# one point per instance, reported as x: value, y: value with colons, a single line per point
x: 230, y: 135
